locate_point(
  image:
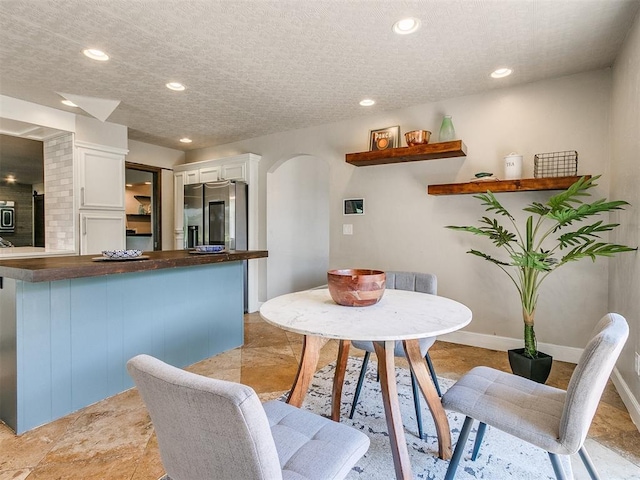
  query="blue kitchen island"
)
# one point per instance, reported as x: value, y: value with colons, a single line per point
x: 68, y: 325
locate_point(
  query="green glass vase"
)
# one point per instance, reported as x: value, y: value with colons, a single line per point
x: 447, y: 132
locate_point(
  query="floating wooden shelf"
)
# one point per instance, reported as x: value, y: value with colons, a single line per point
x: 142, y: 198
x: 430, y: 151
x: 139, y: 216
x: 522, y: 185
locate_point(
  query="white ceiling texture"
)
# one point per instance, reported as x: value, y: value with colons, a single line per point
x: 255, y: 67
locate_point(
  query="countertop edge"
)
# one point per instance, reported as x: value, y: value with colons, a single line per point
x: 48, y: 269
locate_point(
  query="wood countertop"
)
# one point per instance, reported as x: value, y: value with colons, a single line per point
x: 49, y: 269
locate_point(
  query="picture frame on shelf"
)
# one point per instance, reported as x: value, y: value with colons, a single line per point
x: 384, y: 138
x: 353, y: 206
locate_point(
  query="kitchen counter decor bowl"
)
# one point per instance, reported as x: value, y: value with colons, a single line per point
x: 121, y: 253
x: 417, y: 137
x: 356, y: 287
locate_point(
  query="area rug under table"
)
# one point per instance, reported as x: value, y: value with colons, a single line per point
x: 501, y: 456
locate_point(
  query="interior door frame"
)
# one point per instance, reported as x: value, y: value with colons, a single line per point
x: 156, y: 196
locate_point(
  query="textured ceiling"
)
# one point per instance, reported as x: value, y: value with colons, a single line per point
x: 254, y: 67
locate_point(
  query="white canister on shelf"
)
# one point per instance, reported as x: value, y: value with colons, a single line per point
x: 512, y: 166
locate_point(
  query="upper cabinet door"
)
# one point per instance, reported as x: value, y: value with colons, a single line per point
x: 235, y: 171
x: 209, y: 174
x: 191, y: 177
x: 101, y: 179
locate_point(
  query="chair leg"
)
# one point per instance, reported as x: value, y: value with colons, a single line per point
x: 557, y: 466
x: 432, y: 371
x: 457, y: 453
x: 416, y: 404
x: 479, y: 436
x: 588, y: 464
x: 363, y: 370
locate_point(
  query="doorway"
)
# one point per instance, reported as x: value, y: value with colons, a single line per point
x: 297, y: 225
x: 143, y: 207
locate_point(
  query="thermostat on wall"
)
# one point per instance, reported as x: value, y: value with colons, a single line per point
x: 354, y: 206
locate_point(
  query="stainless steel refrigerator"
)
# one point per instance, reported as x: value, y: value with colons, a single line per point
x: 215, y: 213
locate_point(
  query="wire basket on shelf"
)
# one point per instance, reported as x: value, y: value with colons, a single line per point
x: 555, y: 164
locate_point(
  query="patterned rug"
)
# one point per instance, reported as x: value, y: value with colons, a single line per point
x: 501, y: 456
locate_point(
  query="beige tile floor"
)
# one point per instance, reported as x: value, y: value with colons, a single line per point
x: 114, y: 439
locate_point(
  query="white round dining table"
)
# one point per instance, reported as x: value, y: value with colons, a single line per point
x: 399, y: 315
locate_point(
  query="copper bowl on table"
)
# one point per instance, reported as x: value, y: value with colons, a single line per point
x: 356, y: 287
x: 417, y: 137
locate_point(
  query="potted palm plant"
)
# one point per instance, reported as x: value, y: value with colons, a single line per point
x: 548, y: 241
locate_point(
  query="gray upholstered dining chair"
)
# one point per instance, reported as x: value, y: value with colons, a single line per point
x: 552, y: 419
x: 415, y: 282
x: 210, y: 429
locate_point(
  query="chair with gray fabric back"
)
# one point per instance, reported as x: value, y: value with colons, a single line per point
x: 547, y: 417
x: 415, y: 282
x: 210, y: 429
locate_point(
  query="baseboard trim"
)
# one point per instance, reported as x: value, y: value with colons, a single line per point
x: 627, y: 397
x: 494, y: 342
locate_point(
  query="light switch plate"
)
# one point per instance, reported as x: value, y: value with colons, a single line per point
x: 347, y: 229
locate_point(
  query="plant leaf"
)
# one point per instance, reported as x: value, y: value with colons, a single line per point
x: 592, y: 249
x: 499, y: 235
x: 535, y: 260
x: 488, y: 257
x: 566, y: 198
x: 538, y: 209
x: 492, y: 204
x: 566, y: 216
x: 584, y: 234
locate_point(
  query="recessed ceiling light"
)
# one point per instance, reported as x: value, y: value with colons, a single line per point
x: 367, y: 102
x: 69, y: 103
x: 177, y: 86
x: 501, y: 72
x: 406, y: 26
x: 96, y: 54
x: 11, y: 179
x: 186, y: 140
x: 147, y: 183
x: 129, y: 185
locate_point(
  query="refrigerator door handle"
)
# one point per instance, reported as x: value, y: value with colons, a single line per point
x: 220, y: 184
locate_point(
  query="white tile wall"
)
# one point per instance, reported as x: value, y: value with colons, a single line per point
x: 58, y: 174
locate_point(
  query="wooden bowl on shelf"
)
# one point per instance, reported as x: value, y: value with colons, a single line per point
x: 356, y: 287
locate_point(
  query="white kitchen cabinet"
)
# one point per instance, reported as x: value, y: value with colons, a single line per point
x: 101, y: 230
x: 101, y: 179
x: 191, y: 177
x: 209, y: 174
x: 234, y: 171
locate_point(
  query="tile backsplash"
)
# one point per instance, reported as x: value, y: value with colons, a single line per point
x: 58, y: 186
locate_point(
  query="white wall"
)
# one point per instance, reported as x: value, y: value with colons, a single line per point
x: 165, y: 158
x: 624, y: 285
x: 91, y: 130
x: 404, y: 228
x: 297, y: 225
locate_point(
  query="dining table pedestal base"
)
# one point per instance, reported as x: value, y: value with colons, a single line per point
x: 386, y: 367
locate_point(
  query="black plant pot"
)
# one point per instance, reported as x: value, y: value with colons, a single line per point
x: 536, y: 369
